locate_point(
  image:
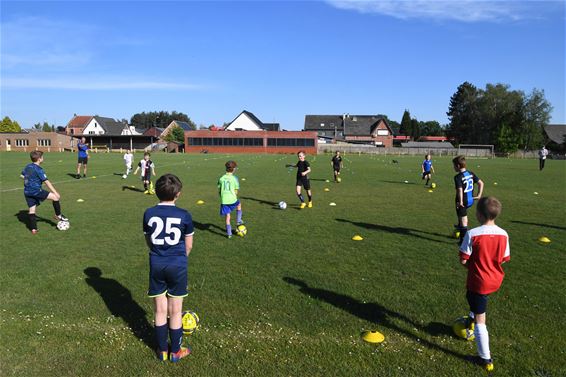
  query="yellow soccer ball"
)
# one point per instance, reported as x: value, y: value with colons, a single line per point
x: 241, y: 230
x: 461, y: 328
x: 433, y: 185
x: 190, y: 322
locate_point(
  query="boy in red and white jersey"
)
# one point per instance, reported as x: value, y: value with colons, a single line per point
x: 483, y: 251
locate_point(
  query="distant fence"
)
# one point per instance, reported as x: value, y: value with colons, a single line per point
x: 399, y: 151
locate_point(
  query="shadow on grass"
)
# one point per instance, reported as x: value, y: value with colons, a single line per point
x: 119, y: 301
x: 212, y: 228
x: 378, y: 314
x: 267, y: 202
x: 132, y: 188
x: 73, y: 175
x: 538, y: 224
x: 23, y: 217
x: 400, y: 182
x: 400, y: 230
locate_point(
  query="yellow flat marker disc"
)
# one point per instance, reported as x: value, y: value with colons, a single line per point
x: 373, y: 336
x: 200, y: 201
x: 357, y: 237
x: 544, y: 239
x: 326, y: 189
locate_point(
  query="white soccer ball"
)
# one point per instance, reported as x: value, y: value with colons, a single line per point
x: 124, y: 176
x: 63, y: 225
x: 282, y: 205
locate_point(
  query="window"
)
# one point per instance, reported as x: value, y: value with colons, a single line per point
x: 290, y: 142
x: 22, y: 142
x: 91, y: 132
x: 43, y: 142
x: 322, y: 125
x: 382, y: 132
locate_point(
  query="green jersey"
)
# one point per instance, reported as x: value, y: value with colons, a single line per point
x: 227, y: 185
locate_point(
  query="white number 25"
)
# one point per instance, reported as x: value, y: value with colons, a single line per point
x: 173, y: 233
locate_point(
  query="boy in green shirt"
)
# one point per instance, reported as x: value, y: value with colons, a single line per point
x: 228, y: 187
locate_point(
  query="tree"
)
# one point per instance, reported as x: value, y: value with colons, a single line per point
x: 462, y: 113
x: 415, y: 129
x: 536, y: 116
x: 9, y: 125
x: 159, y: 119
x: 431, y: 128
x: 406, y: 125
x: 175, y: 134
x: 46, y: 127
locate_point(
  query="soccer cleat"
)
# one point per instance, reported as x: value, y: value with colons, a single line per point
x: 151, y: 192
x: 146, y: 192
x: 61, y: 218
x: 310, y: 205
x: 34, y: 231
x: 183, y: 352
x: 303, y: 205
x: 486, y: 364
x: 78, y: 176
x: 162, y: 355
x: 240, y: 223
x: 229, y: 236
x: 84, y: 175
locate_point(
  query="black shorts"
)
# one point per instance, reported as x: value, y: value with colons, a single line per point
x: 477, y: 302
x: 146, y: 178
x: 426, y: 173
x: 305, y: 182
x: 167, y: 279
x: 83, y: 160
x: 35, y: 200
x: 337, y: 169
x: 461, y: 211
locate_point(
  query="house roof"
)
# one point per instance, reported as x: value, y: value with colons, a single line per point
x: 184, y: 125
x: 556, y: 132
x: 110, y: 126
x: 271, y: 126
x: 79, y: 121
x: 362, y: 125
x: 428, y: 144
x: 323, y: 122
x: 259, y: 123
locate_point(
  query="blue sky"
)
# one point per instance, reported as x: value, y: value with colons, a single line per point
x: 279, y: 60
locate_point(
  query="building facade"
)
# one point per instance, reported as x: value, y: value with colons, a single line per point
x: 30, y: 141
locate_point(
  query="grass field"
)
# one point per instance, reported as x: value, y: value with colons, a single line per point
x: 292, y: 298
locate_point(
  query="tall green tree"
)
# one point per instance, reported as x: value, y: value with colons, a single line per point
x: 415, y: 129
x: 9, y: 125
x: 536, y: 113
x: 176, y: 134
x: 462, y: 113
x: 159, y: 119
x: 406, y: 125
x: 431, y: 128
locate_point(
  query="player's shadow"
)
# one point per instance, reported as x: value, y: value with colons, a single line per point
x: 319, y: 179
x: 212, y: 228
x: 119, y: 301
x: 400, y: 230
x: 132, y: 189
x: 400, y: 182
x: 267, y: 202
x: 539, y: 224
x: 376, y: 313
x: 23, y: 217
x: 72, y: 175
x: 120, y: 174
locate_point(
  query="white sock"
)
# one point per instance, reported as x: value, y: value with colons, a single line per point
x: 482, y: 340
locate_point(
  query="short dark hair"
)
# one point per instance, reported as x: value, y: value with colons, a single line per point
x: 35, y: 155
x: 303, y: 152
x: 459, y: 161
x: 489, y: 207
x: 230, y: 166
x: 167, y: 187
x: 147, y: 154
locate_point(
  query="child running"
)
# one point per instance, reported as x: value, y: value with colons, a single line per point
x: 427, y: 169
x: 147, y: 170
x: 128, y: 159
x: 483, y: 251
x: 34, y: 176
x: 303, y: 169
x: 228, y: 186
x: 169, y: 235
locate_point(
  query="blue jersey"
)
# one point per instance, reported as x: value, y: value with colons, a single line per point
x: 427, y: 165
x: 34, y: 176
x: 466, y: 180
x: 167, y: 225
x: 82, y: 147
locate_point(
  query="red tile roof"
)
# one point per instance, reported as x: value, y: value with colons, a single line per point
x: 79, y: 121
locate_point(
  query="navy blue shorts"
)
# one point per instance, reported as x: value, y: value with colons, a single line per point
x: 425, y: 173
x: 227, y: 208
x: 477, y: 302
x: 146, y: 178
x: 83, y: 160
x: 167, y: 279
x: 35, y: 200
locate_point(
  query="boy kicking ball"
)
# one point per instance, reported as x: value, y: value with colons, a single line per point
x: 303, y: 169
x: 147, y: 170
x: 427, y: 169
x: 34, y: 176
x: 228, y: 186
x: 483, y: 251
x: 169, y: 236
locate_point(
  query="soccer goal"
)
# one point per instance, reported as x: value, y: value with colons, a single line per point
x: 476, y: 150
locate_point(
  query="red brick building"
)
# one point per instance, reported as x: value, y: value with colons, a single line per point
x: 77, y: 124
x: 356, y: 129
x: 30, y: 141
x: 250, y: 141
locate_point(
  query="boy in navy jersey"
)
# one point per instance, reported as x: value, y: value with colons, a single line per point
x: 483, y: 251
x: 147, y: 170
x: 427, y: 169
x: 303, y: 169
x: 464, y: 183
x: 169, y: 235
x: 82, y: 148
x: 34, y: 176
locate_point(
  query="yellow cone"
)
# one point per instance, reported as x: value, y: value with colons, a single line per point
x: 243, y: 179
x: 200, y: 201
x: 373, y: 336
x: 326, y: 189
x: 357, y: 237
x: 544, y: 239
x: 93, y: 177
x: 327, y: 181
x: 430, y: 191
x: 332, y: 204
x: 80, y: 200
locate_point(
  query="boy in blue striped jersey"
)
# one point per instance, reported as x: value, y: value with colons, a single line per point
x: 464, y: 183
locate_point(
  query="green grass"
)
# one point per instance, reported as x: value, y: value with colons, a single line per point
x: 293, y: 296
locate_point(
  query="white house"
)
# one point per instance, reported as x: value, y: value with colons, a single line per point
x: 247, y: 121
x: 108, y: 126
